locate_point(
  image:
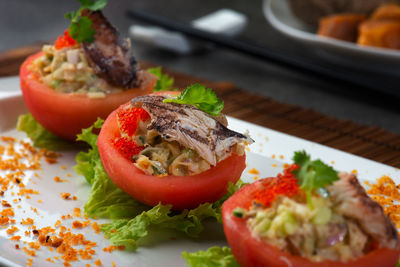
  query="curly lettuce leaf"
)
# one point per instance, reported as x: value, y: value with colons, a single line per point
x: 128, y: 232
x: 164, y: 82
x: 201, y: 97
x: 40, y: 136
x: 106, y: 200
x: 213, y: 257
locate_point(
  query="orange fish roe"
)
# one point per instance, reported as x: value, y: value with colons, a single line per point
x: 98, y: 262
x: 25, y: 191
x: 65, y: 195
x: 15, y: 238
x: 112, y: 248
x: 7, y: 212
x: 96, y: 227
x: 77, y: 212
x: 4, y: 203
x: 29, y: 252
x: 283, y: 184
x: 19, y: 158
x: 254, y: 171
x: 385, y: 192
x: 58, y: 179
x: 28, y: 221
x: 128, y: 119
x: 51, y: 157
x: 12, y: 230
x: 127, y: 147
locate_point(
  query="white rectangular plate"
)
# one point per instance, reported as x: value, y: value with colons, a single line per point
x: 269, y: 152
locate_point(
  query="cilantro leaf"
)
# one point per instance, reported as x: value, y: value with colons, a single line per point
x: 80, y: 28
x: 164, y: 82
x: 201, y: 97
x: 312, y: 174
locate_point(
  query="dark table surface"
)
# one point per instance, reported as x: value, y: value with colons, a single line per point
x: 25, y: 21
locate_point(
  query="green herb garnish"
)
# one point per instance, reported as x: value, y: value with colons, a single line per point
x: 164, y: 82
x: 80, y: 28
x: 312, y: 175
x: 214, y: 256
x: 201, y: 97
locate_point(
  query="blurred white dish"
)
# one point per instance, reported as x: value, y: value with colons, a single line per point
x: 374, y: 59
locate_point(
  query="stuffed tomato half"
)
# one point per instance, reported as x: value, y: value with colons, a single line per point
x: 68, y: 85
x: 309, y: 216
x: 170, y: 153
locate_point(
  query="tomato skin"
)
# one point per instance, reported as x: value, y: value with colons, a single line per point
x: 252, y: 251
x: 66, y: 115
x: 180, y: 191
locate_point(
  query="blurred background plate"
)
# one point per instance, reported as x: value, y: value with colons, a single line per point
x: 369, y: 59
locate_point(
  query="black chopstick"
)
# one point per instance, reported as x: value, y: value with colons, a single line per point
x: 260, y: 52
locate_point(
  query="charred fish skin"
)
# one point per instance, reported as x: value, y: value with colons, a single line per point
x: 190, y: 127
x: 353, y: 202
x: 109, y: 54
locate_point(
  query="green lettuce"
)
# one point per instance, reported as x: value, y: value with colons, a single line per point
x: 164, y: 82
x: 105, y: 200
x: 132, y: 220
x: 40, y: 136
x: 212, y: 257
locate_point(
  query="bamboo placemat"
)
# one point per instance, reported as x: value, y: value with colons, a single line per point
x: 370, y: 142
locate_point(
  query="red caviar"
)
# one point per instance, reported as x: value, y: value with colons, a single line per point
x: 127, y: 147
x: 64, y: 40
x: 283, y: 184
x: 128, y: 119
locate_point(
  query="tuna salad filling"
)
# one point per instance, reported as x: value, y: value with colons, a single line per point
x: 339, y: 222
x: 159, y: 150
x: 67, y: 70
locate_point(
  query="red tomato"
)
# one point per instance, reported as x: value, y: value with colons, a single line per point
x: 66, y: 115
x: 180, y: 191
x: 252, y: 251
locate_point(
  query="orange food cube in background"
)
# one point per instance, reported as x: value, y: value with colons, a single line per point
x: 342, y: 26
x: 385, y: 34
x: 387, y: 12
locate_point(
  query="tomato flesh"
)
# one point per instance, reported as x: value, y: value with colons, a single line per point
x: 66, y: 115
x: 180, y: 191
x: 252, y: 251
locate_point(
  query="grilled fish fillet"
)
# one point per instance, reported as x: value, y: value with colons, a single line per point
x: 190, y: 127
x: 353, y: 202
x: 109, y: 54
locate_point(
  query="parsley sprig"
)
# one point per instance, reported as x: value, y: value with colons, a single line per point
x: 80, y: 28
x: 312, y: 175
x: 201, y: 97
x: 164, y: 82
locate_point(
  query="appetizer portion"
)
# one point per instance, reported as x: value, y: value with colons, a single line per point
x: 309, y: 216
x: 86, y: 74
x: 157, y: 150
